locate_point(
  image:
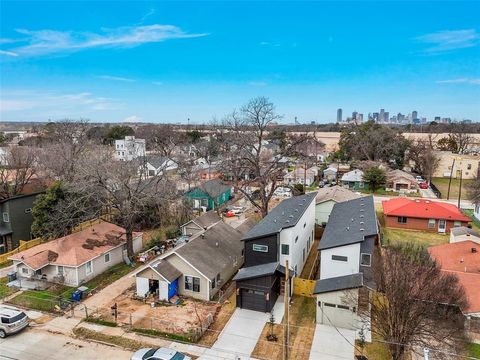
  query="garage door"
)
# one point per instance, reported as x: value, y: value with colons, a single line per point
x: 336, y: 315
x: 253, y: 300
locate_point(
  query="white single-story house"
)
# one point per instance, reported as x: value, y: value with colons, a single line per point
x: 299, y: 176
x: 75, y: 258
x: 463, y: 233
x: 156, y: 165
x: 199, y: 224
x: 197, y: 268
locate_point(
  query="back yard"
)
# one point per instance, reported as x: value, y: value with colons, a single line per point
x: 442, y: 185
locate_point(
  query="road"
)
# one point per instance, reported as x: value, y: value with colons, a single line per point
x: 34, y: 344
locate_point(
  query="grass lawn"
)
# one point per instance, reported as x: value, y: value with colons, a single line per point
x: 4, y: 289
x: 473, y: 350
x: 419, y: 237
x: 42, y: 300
x: 442, y: 185
x: 108, y: 277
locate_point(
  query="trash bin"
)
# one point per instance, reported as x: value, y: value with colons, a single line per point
x: 77, y: 295
x: 12, y: 276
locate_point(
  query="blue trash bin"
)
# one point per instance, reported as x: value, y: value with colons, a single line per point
x: 77, y: 295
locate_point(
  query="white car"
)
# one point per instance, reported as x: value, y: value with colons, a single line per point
x: 283, y: 192
x: 419, y: 179
x: 159, y: 354
x: 12, y: 320
x: 237, y: 210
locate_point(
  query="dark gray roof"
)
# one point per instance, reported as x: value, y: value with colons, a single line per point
x: 463, y: 230
x: 207, y: 219
x: 214, y: 187
x: 165, y: 269
x: 284, y: 215
x: 246, y: 225
x: 339, y: 283
x: 349, y: 223
x: 5, y: 231
x: 213, y: 250
x: 156, y: 161
x: 260, y: 270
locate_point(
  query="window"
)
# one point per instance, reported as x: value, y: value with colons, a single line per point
x: 296, y: 239
x: 329, y: 305
x: 213, y: 283
x: 285, y: 249
x: 431, y: 223
x: 339, y: 258
x: 106, y: 257
x: 24, y: 271
x: 469, y: 167
x: 402, y: 219
x: 88, y: 268
x: 60, y: 270
x: 192, y: 283
x: 27, y: 210
x: 365, y: 259
x: 457, y: 223
x: 260, y: 248
x: 6, y: 217
x: 343, y: 307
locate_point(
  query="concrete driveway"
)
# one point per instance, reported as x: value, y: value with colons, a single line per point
x: 328, y: 344
x: 241, y: 333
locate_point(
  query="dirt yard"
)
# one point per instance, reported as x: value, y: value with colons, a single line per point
x: 175, y: 319
x: 224, y: 314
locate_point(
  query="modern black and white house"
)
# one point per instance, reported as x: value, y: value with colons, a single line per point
x: 286, y: 233
x: 347, y: 251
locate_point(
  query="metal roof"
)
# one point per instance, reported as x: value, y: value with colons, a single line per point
x: 284, y: 215
x: 349, y: 223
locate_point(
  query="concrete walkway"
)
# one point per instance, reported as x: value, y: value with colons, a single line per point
x: 104, y: 297
x: 330, y: 344
x: 241, y: 333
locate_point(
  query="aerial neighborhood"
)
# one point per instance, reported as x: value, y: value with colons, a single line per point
x: 186, y: 237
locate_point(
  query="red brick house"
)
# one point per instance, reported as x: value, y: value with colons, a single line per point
x: 422, y: 214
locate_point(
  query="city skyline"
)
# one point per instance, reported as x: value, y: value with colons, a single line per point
x: 167, y: 62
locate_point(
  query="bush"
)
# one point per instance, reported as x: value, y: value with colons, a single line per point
x: 100, y: 322
x: 158, y: 333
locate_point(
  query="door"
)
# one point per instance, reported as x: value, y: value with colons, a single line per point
x: 442, y: 226
x: 253, y: 300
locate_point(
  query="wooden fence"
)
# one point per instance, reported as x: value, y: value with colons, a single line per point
x: 303, y: 287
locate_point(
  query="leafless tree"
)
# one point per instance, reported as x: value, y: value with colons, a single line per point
x: 18, y: 165
x: 460, y: 138
x: 417, y: 304
x: 423, y: 157
x: 163, y: 139
x: 68, y: 141
x: 250, y: 165
x: 126, y: 195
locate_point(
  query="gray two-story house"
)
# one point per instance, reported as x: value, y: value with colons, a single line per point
x: 16, y: 220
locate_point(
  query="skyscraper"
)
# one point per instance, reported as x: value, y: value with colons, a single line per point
x: 381, y: 116
x: 386, y: 116
x: 339, y: 115
x: 414, y: 114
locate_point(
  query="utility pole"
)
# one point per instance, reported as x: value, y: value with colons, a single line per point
x: 287, y: 290
x: 460, y: 189
x: 450, y: 180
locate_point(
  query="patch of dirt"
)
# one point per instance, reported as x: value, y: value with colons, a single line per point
x: 221, y: 318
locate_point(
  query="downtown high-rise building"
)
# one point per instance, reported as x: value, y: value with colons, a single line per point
x: 381, y: 115
x: 339, y: 115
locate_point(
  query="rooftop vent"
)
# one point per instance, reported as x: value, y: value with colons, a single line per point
x: 362, y: 229
x: 362, y: 216
x: 203, y: 236
x: 428, y: 201
x: 287, y: 221
x: 291, y: 216
x: 274, y: 220
x: 417, y: 201
x: 362, y: 223
x: 348, y: 228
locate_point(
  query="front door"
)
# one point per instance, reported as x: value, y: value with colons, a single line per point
x: 442, y: 226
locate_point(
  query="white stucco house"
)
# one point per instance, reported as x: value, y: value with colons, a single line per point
x: 129, y: 148
x: 76, y: 258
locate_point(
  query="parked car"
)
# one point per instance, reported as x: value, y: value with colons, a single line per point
x: 158, y: 354
x: 237, y: 210
x: 283, y: 191
x: 12, y: 321
x: 423, y: 185
x: 229, y: 213
x: 419, y: 179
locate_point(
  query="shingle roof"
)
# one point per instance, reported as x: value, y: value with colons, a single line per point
x: 396, y: 174
x: 284, y: 215
x: 166, y: 270
x: 74, y: 249
x: 260, y: 270
x: 156, y: 161
x: 349, y: 223
x: 346, y: 282
x: 245, y: 226
x: 214, y: 187
x: 423, y: 209
x: 213, y: 250
x: 354, y: 175
x: 335, y: 193
x: 207, y: 219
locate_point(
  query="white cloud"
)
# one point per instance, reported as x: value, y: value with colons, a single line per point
x: 15, y: 105
x: 8, y: 53
x: 460, y: 81
x: 116, y: 78
x: 132, y: 119
x: 448, y: 40
x: 147, y: 15
x: 45, y: 42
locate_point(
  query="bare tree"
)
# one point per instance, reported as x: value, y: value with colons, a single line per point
x: 68, y: 141
x: 460, y: 138
x: 162, y: 139
x: 19, y: 166
x: 423, y: 157
x: 251, y: 166
x: 417, y: 304
x: 125, y: 193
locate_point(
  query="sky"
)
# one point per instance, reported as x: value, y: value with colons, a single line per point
x: 168, y: 62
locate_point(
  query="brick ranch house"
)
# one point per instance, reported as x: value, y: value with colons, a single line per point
x: 423, y: 215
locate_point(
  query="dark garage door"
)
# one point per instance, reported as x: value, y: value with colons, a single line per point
x: 253, y: 300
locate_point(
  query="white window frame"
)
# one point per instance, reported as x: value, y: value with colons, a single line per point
x: 60, y: 273
x: 6, y: 217
x: 86, y: 267
x: 25, y: 271
x: 105, y: 257
x: 193, y: 283
x: 260, y: 248
x: 457, y: 223
x: 370, y: 259
x: 430, y: 225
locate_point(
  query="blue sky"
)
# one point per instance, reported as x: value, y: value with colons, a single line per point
x: 169, y: 61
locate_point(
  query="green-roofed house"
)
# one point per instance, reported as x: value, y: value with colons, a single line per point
x: 209, y: 195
